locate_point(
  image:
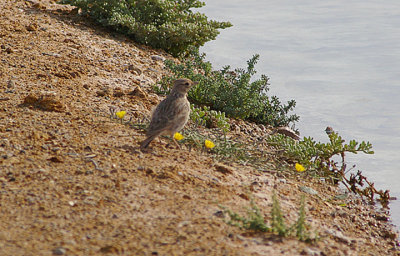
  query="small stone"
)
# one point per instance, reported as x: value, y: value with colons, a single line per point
x: 138, y: 92
x: 219, y: 214
x: 32, y: 27
x: 10, y: 84
x: 118, y: 92
x: 308, y: 190
x: 382, y: 217
x: 224, y: 169
x: 310, y: 252
x: 102, y: 92
x: 389, y: 234
x: 343, y: 214
x: 287, y: 132
x: 244, y: 196
x: 339, y: 236
x: 186, y: 197
x: 56, y: 159
x: 341, y: 196
x: 183, y: 223
x: 135, y: 70
x: 45, y: 102
x: 110, y: 249
x: 157, y: 58
x: 39, y: 5
x: 59, y: 251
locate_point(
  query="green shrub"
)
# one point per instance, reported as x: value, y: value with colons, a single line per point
x: 233, y: 92
x: 317, y: 157
x: 253, y: 221
x: 277, y: 221
x: 209, y: 118
x: 167, y: 24
x: 277, y: 224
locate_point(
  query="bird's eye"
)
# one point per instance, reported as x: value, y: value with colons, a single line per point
x: 186, y: 83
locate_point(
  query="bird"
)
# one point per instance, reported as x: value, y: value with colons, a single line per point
x: 329, y: 130
x: 171, y: 114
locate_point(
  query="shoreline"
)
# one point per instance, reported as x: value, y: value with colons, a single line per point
x: 73, y: 182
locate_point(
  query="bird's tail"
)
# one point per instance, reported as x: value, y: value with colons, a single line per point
x: 144, y: 144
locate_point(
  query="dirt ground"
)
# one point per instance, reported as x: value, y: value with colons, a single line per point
x: 73, y: 182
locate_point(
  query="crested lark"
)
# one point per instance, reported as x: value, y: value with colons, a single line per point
x: 171, y: 115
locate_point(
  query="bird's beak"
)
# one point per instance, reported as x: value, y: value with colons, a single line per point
x: 195, y: 83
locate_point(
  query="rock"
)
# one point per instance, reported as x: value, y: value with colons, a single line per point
x: 183, y: 223
x: 39, y: 5
x: 135, y: 70
x: 187, y: 197
x: 382, y: 217
x: 244, y: 196
x: 338, y: 236
x: 287, y: 132
x: 110, y: 249
x: 45, y: 102
x: 219, y: 214
x: 137, y: 91
x: 10, y: 84
x: 51, y: 54
x: 223, y: 169
x: 59, y: 251
x: 157, y: 58
x: 56, y: 159
x: 310, y: 252
x: 103, y: 92
x: 341, y: 196
x: 32, y: 27
x: 118, y: 92
x: 308, y: 190
x: 389, y: 234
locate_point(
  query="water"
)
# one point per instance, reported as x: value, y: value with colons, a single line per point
x: 339, y: 60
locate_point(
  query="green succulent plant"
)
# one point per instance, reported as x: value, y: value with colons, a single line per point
x: 167, y: 24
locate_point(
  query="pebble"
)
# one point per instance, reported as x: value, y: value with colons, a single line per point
x: 10, y: 84
x: 311, y: 252
x: 339, y: 236
x: 308, y: 190
x: 157, y: 57
x: 59, y: 251
x: 282, y: 181
x: 183, y: 223
x: 219, y: 214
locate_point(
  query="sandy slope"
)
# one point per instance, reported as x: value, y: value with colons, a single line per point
x: 72, y: 181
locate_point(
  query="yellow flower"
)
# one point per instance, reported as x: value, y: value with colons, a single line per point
x: 299, y: 167
x: 178, y: 136
x: 209, y: 144
x: 120, y: 114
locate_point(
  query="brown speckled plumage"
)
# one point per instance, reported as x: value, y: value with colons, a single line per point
x: 171, y: 115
